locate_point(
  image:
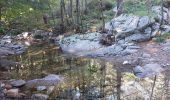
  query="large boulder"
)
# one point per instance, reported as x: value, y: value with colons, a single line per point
x: 126, y: 25
x: 158, y: 12
x: 81, y: 43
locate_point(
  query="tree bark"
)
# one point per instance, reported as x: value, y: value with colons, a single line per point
x: 77, y: 16
x: 71, y: 9
x: 169, y: 15
x: 103, y: 21
x: 162, y: 12
x: 119, y: 7
x: 62, y: 17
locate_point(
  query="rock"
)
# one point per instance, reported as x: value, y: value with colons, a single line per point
x: 149, y: 70
x: 138, y: 37
x: 50, y: 80
x: 41, y: 88
x: 81, y: 43
x: 157, y: 10
x: 125, y: 63
x: 50, y: 89
x: 143, y: 22
x: 8, y: 86
x: 138, y: 70
x: 26, y: 34
x: 12, y: 93
x: 145, y: 55
x: 148, y: 30
x: 165, y: 29
x: 6, y: 64
x: 39, y: 97
x: 155, y: 33
x: 18, y: 83
x: 108, y: 26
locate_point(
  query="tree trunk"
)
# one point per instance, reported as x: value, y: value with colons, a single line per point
x: 103, y: 21
x: 71, y: 9
x: 0, y: 14
x: 62, y: 17
x: 162, y: 12
x: 119, y: 7
x: 86, y: 10
x: 118, y: 84
x: 169, y: 15
x: 77, y: 16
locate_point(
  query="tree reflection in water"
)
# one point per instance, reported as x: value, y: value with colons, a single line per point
x: 91, y: 78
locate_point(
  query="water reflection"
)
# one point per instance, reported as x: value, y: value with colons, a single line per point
x: 88, y: 79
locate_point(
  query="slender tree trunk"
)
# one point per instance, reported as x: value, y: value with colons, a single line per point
x: 118, y: 83
x: 78, y: 16
x: 62, y: 16
x: 0, y: 14
x: 119, y: 7
x: 153, y: 87
x: 71, y: 9
x: 149, y: 6
x: 103, y: 21
x: 169, y: 15
x: 52, y: 14
x: 86, y: 10
x: 162, y: 12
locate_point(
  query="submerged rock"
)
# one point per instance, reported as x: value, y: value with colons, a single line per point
x: 18, y: 83
x: 7, y: 64
x: 149, y: 70
x: 39, y: 97
x: 12, y: 93
x: 50, y: 80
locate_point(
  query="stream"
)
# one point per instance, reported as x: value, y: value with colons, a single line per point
x: 90, y: 79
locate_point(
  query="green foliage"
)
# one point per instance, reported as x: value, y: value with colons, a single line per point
x: 2, y: 30
x: 92, y: 69
x: 161, y: 39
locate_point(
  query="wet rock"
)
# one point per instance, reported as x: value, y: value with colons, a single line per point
x: 18, y: 83
x: 149, y: 70
x: 50, y: 80
x: 39, y: 97
x: 7, y: 64
x: 50, y: 89
x: 12, y: 93
x: 8, y: 86
x: 41, y: 88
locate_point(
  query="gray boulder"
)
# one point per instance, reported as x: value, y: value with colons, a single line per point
x: 50, y: 80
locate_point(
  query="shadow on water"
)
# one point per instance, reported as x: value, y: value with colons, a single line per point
x: 89, y: 79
